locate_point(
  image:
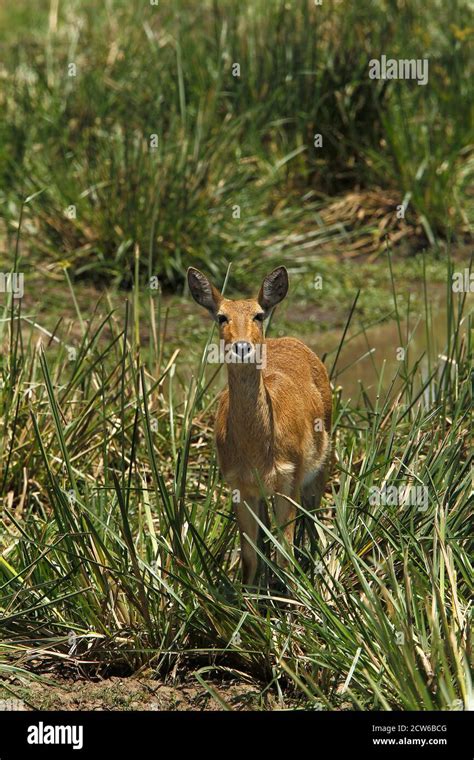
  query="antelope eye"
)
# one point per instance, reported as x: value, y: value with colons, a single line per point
x: 260, y: 317
x: 222, y: 319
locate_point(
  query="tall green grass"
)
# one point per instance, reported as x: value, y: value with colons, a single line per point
x: 119, y: 549
x: 224, y: 140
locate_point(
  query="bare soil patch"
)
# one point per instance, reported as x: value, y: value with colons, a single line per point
x: 117, y: 693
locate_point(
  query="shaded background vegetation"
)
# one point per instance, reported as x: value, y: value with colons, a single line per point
x: 166, y: 70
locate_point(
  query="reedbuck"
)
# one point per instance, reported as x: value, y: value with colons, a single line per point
x: 273, y: 422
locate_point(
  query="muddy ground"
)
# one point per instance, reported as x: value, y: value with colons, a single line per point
x: 130, y: 693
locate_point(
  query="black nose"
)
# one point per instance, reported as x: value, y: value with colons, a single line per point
x: 242, y: 349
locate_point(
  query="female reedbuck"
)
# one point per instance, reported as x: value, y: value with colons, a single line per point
x: 273, y: 423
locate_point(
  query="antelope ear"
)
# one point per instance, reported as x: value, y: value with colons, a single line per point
x: 274, y: 288
x: 203, y: 291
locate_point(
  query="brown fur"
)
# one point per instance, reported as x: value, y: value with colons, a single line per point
x: 267, y: 430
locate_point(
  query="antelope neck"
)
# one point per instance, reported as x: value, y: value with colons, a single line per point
x: 248, y: 402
